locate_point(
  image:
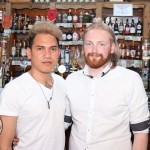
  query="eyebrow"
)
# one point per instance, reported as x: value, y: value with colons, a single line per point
x: 44, y: 46
x: 96, y: 42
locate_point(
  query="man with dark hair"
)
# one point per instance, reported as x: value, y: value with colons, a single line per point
x: 33, y: 105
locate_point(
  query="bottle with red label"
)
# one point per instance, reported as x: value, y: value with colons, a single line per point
x: 127, y: 28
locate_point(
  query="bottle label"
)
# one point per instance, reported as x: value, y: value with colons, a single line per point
x: 23, y: 52
x: 64, y: 18
x: 69, y: 18
x: 62, y: 55
x: 127, y: 30
x: 64, y: 36
x: 121, y: 28
x: 75, y: 18
x: 13, y: 51
x: 139, y: 27
x: 67, y: 60
x: 127, y: 52
x: 69, y: 37
x: 75, y: 36
x: 139, y: 31
x: 132, y: 52
x: 132, y: 30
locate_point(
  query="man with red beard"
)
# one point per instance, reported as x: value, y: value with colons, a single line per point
x: 106, y: 100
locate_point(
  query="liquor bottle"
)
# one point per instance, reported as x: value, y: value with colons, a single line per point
x: 59, y: 16
x: 67, y: 59
x: 122, y: 51
x: 77, y: 53
x: 92, y: 15
x: 23, y: 50
x: 121, y: 27
x: 116, y: 28
x: 132, y: 50
x: 64, y: 17
x: 75, y: 17
x: 139, y: 28
x: 145, y: 71
x: 81, y: 17
x: 62, y: 54
x: 13, y: 49
x: 75, y: 35
x: 18, y: 47
x: 25, y: 22
x: 14, y: 24
x: 86, y: 17
x: 127, y: 28
x: 81, y: 33
x: 146, y: 47
x: 132, y: 27
x: 1, y: 29
x: 6, y: 73
x: 69, y: 16
x: 127, y: 51
x: 110, y: 24
x: 64, y: 34
x: 30, y: 23
x: 19, y: 23
x: 138, y: 52
x: 69, y: 35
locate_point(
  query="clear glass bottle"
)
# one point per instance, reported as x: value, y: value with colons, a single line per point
x: 146, y: 47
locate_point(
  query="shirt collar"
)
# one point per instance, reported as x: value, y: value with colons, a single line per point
x: 101, y: 74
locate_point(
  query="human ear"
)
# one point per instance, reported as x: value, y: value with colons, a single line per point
x: 113, y: 46
x: 28, y: 53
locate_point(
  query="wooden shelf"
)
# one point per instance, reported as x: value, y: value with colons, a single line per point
x: 31, y: 5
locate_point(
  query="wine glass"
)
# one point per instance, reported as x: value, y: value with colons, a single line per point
x: 23, y: 65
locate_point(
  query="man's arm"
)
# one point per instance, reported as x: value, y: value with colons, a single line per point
x: 140, y: 141
x: 8, y: 128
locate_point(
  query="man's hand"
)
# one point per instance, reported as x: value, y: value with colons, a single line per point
x: 15, y: 140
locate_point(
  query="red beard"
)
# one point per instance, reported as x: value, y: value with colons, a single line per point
x: 95, y: 60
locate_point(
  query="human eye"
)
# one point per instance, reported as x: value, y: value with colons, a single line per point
x: 54, y: 48
x: 101, y: 44
x: 88, y: 44
x: 39, y: 48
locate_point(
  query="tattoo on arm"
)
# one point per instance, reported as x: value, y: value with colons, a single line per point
x: 1, y: 125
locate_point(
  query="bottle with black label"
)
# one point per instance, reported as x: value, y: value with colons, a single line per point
x: 139, y: 28
x: 69, y: 35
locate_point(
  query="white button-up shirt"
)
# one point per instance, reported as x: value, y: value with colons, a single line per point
x: 103, y: 108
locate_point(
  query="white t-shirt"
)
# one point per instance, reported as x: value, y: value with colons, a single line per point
x: 38, y: 127
x: 103, y: 108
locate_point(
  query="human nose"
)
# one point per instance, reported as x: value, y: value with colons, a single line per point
x: 94, y: 49
x: 47, y: 53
